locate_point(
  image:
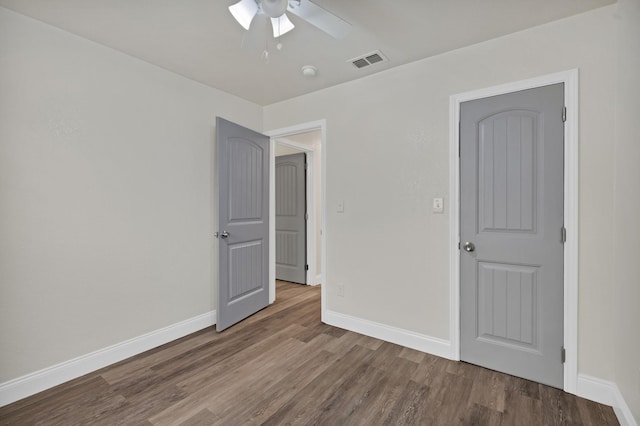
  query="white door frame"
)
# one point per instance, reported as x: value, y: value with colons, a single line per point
x: 570, y: 80
x: 309, y: 152
x: 320, y: 126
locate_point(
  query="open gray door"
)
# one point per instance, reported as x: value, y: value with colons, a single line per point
x: 511, y: 223
x: 243, y: 222
x: 291, y: 220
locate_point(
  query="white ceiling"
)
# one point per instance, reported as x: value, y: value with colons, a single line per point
x: 199, y: 39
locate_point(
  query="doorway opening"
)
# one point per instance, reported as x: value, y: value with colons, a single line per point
x: 298, y: 206
x: 308, y: 138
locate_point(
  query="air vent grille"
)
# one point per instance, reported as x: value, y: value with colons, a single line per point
x: 368, y: 59
x: 372, y: 59
x: 361, y: 63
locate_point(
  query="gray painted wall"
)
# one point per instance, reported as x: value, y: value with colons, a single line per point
x: 106, y: 205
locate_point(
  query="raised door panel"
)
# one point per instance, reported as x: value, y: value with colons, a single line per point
x: 507, y: 176
x: 245, y: 180
x: 508, y: 305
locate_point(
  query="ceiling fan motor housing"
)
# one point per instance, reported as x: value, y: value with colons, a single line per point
x: 274, y: 8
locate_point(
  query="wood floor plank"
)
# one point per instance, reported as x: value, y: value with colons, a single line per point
x: 562, y: 410
x: 321, y: 389
x: 52, y: 398
x: 215, y: 373
x: 283, y: 366
x: 346, y: 396
x: 388, y: 392
x: 266, y: 401
x: 407, y: 409
x: 276, y: 365
x: 146, y: 395
x: 203, y: 417
x: 365, y: 397
x: 488, y: 390
x: 132, y: 366
x: 524, y: 410
x: 226, y: 383
x: 481, y: 415
x: 411, y: 355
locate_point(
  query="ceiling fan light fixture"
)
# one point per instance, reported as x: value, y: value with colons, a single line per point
x: 274, y: 8
x: 281, y: 25
x: 244, y: 11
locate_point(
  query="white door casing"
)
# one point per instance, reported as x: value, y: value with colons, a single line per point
x: 570, y: 270
x: 277, y: 135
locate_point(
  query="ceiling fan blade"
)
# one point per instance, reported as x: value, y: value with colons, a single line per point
x: 244, y: 11
x: 320, y: 18
x: 281, y: 25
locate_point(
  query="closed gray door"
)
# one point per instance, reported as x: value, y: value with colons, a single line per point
x: 511, y: 221
x: 243, y: 224
x: 291, y: 222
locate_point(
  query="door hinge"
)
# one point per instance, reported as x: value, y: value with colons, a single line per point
x: 564, y: 114
x: 306, y: 216
x: 564, y: 235
x: 306, y: 267
x: 563, y: 355
x: 458, y: 245
x: 306, y: 165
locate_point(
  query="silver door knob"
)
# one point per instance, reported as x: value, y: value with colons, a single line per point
x: 222, y: 235
x: 469, y: 247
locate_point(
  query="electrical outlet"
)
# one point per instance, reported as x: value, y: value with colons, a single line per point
x: 341, y: 290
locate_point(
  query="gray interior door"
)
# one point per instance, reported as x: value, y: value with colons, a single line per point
x: 291, y: 222
x: 511, y: 221
x: 243, y: 222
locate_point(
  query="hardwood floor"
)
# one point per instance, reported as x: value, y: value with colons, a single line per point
x: 283, y: 366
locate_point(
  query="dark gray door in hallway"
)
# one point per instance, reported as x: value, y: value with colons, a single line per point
x: 291, y: 218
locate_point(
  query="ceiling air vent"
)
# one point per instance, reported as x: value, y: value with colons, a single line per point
x: 368, y: 59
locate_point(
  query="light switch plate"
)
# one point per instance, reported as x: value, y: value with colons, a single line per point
x: 438, y: 205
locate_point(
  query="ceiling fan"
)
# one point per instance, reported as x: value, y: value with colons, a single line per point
x: 245, y: 10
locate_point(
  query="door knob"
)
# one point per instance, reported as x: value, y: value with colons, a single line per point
x: 223, y: 235
x: 469, y: 247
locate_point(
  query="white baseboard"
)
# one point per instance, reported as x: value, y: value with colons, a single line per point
x: 595, y: 389
x: 623, y: 412
x: 49, y: 377
x: 607, y: 393
x: 316, y: 281
x: 399, y: 336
